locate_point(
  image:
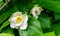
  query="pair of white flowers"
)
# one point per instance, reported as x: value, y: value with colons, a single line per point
x: 20, y: 20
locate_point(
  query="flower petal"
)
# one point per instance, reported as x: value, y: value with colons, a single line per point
x: 24, y: 23
x: 36, y: 16
x: 25, y: 18
x: 12, y: 25
x: 18, y: 24
x: 24, y: 26
x: 16, y: 27
x: 33, y: 13
x: 17, y: 14
x: 34, y: 10
x: 12, y: 19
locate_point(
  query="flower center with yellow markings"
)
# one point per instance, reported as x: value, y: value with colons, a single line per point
x: 19, y: 19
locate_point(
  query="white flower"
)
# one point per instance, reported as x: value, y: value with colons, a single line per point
x: 36, y: 11
x: 19, y: 19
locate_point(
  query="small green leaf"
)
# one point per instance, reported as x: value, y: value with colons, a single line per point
x: 4, y: 24
x: 49, y: 34
x: 44, y: 20
x: 34, y: 28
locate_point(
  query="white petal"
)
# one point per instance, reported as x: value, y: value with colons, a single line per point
x: 25, y: 18
x: 33, y: 11
x: 12, y: 25
x: 12, y: 19
x: 17, y: 14
x: 24, y: 23
x: 37, y: 9
x: 18, y: 24
x: 36, y: 16
x: 24, y: 26
x: 16, y: 27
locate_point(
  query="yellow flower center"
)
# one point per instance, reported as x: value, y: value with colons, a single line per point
x: 19, y: 19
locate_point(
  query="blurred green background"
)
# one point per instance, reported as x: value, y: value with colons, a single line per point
x: 48, y: 23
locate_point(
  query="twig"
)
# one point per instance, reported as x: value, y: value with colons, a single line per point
x: 7, y: 1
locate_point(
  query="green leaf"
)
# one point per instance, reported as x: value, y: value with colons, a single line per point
x: 49, y: 4
x: 57, y: 16
x: 7, y: 32
x: 49, y: 34
x: 4, y: 24
x: 44, y: 20
x: 56, y: 28
x: 34, y: 28
x: 7, y: 13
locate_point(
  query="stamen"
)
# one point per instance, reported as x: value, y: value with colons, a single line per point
x: 36, y: 12
x: 19, y: 19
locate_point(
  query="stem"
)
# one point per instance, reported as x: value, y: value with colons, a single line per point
x: 19, y: 30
